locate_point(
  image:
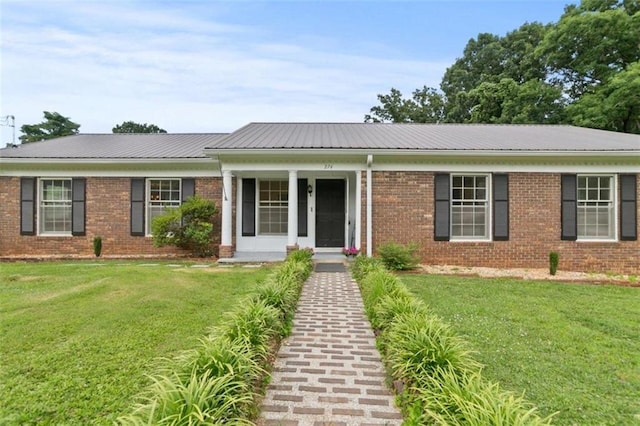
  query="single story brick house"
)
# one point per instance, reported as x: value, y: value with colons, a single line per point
x: 480, y: 195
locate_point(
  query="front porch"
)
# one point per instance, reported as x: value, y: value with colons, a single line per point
x: 276, y: 211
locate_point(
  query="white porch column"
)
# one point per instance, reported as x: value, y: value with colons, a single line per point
x: 292, y: 229
x: 358, y: 227
x: 227, y: 204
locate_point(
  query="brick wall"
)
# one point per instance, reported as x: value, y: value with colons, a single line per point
x: 107, y: 216
x: 403, y: 208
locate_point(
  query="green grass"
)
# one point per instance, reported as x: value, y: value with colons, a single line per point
x: 573, y: 348
x: 78, y: 339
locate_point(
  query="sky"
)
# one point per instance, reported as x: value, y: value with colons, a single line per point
x: 199, y: 66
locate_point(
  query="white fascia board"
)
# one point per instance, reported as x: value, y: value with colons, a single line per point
x: 507, y: 168
x: 112, y: 168
x: 326, y: 166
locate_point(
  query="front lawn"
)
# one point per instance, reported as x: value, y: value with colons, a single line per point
x: 573, y: 348
x: 77, y: 339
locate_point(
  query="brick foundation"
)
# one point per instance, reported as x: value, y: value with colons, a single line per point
x: 225, y: 252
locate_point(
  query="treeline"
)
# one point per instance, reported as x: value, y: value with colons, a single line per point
x: 583, y: 70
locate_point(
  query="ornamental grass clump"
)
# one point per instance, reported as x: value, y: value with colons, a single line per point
x: 447, y: 397
x: 433, y: 369
x: 220, y: 381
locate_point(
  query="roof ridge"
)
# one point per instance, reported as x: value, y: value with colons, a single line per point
x: 410, y: 124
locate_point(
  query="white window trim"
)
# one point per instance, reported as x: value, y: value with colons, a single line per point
x: 147, y: 201
x: 489, y: 225
x: 40, y: 232
x: 615, y: 213
x: 257, y: 207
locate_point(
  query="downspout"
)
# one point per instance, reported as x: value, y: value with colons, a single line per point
x: 369, y: 206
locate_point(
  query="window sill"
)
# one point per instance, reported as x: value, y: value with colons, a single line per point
x: 468, y: 240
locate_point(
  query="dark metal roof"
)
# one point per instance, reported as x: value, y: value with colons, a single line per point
x: 457, y: 137
x: 330, y: 136
x: 117, y: 146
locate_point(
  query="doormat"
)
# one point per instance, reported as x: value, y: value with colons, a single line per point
x: 330, y: 267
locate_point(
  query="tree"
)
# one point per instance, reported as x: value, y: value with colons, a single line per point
x: 491, y: 59
x: 54, y: 126
x: 425, y: 106
x: 591, y: 43
x: 132, y: 127
x: 611, y: 106
x: 508, y: 102
x: 188, y: 227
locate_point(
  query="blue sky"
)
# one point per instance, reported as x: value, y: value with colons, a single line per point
x: 213, y: 66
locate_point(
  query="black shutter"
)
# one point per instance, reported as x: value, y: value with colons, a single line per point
x: 137, y: 207
x: 188, y: 188
x: 628, y: 208
x: 248, y: 207
x: 500, y: 207
x: 27, y: 206
x: 569, y: 216
x: 302, y: 207
x: 442, y: 206
x: 78, y: 213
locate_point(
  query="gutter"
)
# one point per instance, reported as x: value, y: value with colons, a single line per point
x: 430, y: 152
x: 369, y: 206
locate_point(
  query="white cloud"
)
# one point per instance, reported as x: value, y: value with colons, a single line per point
x: 104, y: 63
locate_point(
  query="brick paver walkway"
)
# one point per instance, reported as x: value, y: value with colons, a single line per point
x: 329, y: 372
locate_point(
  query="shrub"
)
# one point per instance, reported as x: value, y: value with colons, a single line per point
x: 188, y: 226
x: 554, y: 258
x: 97, y: 246
x: 398, y: 257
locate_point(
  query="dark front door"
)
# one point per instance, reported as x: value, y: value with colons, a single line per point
x: 330, y: 213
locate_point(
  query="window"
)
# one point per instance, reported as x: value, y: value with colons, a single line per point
x: 470, y: 207
x: 55, y: 207
x: 161, y: 194
x: 596, y: 207
x: 273, y: 207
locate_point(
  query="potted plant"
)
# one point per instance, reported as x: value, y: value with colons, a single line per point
x: 350, y: 251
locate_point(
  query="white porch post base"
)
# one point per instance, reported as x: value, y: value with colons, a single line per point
x: 292, y: 217
x: 226, y: 239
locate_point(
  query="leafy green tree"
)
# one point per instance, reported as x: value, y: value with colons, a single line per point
x: 611, y: 106
x: 425, y: 106
x: 54, y: 126
x: 188, y: 226
x: 508, y: 102
x: 132, y: 127
x: 491, y: 59
x: 591, y: 43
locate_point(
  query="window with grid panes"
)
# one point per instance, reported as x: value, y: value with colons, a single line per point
x: 161, y: 194
x: 55, y: 207
x: 273, y: 202
x: 470, y: 207
x: 596, y: 219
